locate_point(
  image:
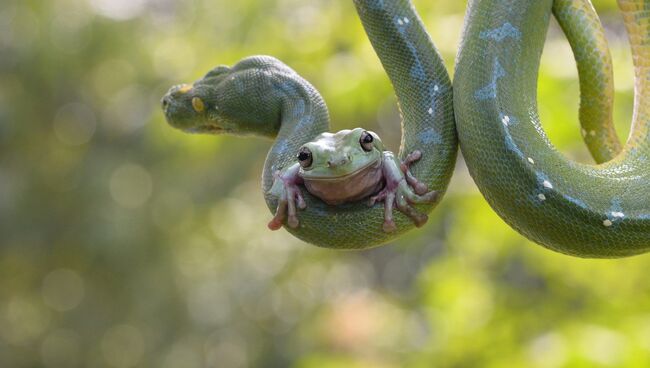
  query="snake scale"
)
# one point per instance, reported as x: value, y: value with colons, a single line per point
x: 600, y: 210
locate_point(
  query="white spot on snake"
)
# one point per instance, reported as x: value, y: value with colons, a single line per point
x: 531, y: 161
x: 592, y: 133
x: 616, y: 212
x: 436, y: 88
x: 541, y: 197
x: 430, y: 110
x: 508, y: 120
x: 400, y: 22
x: 607, y: 223
x: 547, y: 184
x: 406, y: 20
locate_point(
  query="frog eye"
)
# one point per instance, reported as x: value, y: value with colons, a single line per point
x: 366, y: 140
x: 304, y: 157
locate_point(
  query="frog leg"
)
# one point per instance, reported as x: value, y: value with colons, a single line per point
x: 389, y: 202
x: 402, y: 190
x: 418, y: 218
x: 286, y: 189
x: 418, y: 186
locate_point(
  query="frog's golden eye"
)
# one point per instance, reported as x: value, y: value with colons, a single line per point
x: 305, y: 157
x: 366, y: 141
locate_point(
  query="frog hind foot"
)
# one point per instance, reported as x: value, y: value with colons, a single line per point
x: 418, y: 186
x: 403, y: 190
x: 286, y: 189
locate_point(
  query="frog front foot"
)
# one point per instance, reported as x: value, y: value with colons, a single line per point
x: 402, y: 190
x: 286, y: 189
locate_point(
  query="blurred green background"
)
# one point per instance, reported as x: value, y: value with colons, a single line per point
x: 125, y: 243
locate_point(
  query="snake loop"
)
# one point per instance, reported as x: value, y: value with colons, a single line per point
x: 578, y: 209
x: 262, y: 96
x: 423, y: 89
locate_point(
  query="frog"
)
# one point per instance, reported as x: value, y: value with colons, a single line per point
x: 348, y: 166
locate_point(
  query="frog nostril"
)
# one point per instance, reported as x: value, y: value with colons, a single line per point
x: 165, y: 101
x: 338, y: 162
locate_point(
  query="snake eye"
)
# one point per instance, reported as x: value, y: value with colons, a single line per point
x: 366, y: 140
x: 304, y: 157
x: 198, y: 104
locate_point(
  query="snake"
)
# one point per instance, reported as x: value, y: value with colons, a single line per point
x: 599, y: 210
x: 584, y: 210
x: 261, y: 96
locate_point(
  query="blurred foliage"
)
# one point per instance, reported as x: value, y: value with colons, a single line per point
x: 125, y: 243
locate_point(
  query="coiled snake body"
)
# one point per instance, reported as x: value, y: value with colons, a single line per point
x: 262, y: 96
x: 583, y: 210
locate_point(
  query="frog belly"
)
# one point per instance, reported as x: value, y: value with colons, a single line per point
x: 350, y: 188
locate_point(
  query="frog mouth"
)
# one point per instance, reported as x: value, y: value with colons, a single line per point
x: 370, y: 166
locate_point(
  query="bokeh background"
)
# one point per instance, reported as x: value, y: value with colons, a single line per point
x: 125, y: 243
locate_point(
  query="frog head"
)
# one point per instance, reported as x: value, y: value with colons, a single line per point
x: 343, y: 166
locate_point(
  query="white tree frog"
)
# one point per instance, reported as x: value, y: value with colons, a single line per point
x: 349, y: 166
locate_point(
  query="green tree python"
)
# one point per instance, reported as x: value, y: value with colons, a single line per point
x: 262, y: 96
x: 583, y: 210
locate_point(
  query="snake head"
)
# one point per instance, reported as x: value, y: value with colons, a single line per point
x: 240, y: 100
